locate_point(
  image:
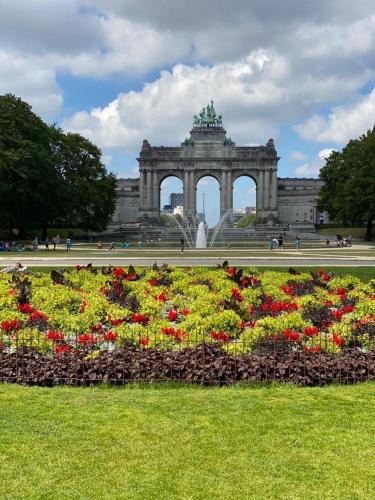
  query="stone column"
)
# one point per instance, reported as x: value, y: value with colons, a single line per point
x: 273, y: 204
x: 229, y: 190
x: 148, y: 190
x: 193, y: 194
x: 260, y: 191
x: 186, y: 191
x: 266, y: 199
x: 223, y: 193
x: 155, y: 193
x: 142, y: 186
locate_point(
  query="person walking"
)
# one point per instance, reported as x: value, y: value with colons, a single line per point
x: 68, y: 244
x: 182, y: 242
x: 112, y: 246
x: 35, y: 244
x: 46, y: 242
x: 280, y: 241
x: 54, y: 242
x: 298, y: 242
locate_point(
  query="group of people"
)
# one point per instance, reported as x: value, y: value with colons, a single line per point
x: 277, y: 242
x: 7, y: 246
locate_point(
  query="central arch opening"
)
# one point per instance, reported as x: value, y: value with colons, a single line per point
x: 171, y: 201
x: 208, y: 200
x: 244, y: 201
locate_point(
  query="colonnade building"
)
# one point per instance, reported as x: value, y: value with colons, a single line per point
x: 209, y: 152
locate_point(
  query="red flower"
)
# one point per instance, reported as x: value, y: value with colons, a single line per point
x: 140, y: 318
x: 162, y: 297
x: 115, y: 322
x: 245, y: 282
x: 119, y: 272
x: 37, y: 315
x: 144, y: 341
x: 87, y: 339
x: 236, y: 294
x: 328, y: 303
x: 59, y: 349
x: 325, y: 277
x: 12, y: 325
x: 185, y: 311
x: 109, y: 336
x: 78, y: 267
x: 55, y: 336
x: 311, y: 331
x: 153, y: 282
x: 231, y: 271
x: 97, y: 328
x: 25, y: 308
x: 220, y: 336
x: 312, y: 349
x: 347, y: 309
x: 292, y: 335
x: 337, y: 314
x: 337, y: 340
x: 173, y: 315
x: 173, y: 332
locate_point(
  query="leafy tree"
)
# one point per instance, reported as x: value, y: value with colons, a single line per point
x: 47, y: 176
x: 89, y: 196
x: 28, y: 180
x: 246, y: 220
x: 348, y: 193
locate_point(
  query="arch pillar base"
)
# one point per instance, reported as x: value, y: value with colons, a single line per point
x: 267, y: 217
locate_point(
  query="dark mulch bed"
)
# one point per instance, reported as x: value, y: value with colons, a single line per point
x: 205, y: 364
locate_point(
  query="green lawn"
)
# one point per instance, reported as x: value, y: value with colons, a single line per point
x: 187, y: 442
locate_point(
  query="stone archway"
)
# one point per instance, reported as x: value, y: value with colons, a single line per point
x: 208, y: 151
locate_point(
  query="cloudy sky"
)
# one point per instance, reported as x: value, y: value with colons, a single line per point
x: 119, y: 71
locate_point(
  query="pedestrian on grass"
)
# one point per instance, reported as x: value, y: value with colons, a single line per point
x: 54, y: 242
x: 46, y: 242
x: 182, y: 242
x: 112, y: 246
x: 35, y: 244
x: 68, y: 244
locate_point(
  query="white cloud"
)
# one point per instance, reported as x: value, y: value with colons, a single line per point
x: 342, y: 124
x: 297, y: 156
x: 312, y: 168
x: 30, y: 79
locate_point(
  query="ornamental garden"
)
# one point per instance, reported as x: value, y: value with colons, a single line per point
x: 207, y: 326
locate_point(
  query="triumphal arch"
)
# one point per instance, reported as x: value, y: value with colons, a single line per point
x: 209, y: 152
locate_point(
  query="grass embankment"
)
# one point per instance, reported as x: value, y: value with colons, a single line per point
x: 187, y: 442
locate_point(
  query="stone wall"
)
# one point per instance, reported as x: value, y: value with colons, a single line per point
x: 127, y: 207
x: 297, y: 200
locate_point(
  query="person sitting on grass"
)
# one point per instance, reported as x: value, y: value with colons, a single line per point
x: 16, y: 268
x: 99, y: 245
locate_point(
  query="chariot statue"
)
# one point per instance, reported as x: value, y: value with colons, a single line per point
x: 208, y: 117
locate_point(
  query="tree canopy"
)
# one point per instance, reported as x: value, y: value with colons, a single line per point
x: 348, y: 193
x: 47, y: 176
x: 246, y: 220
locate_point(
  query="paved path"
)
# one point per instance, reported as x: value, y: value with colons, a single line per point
x: 188, y: 261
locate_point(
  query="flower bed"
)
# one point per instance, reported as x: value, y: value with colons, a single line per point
x: 249, y: 325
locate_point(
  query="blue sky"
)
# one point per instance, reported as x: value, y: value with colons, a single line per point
x: 119, y: 71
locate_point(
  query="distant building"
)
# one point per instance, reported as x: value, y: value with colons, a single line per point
x: 176, y: 199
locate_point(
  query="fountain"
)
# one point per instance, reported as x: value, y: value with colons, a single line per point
x: 195, y: 231
x: 201, y: 240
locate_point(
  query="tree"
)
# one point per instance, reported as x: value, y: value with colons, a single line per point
x: 246, y: 220
x: 89, y: 191
x: 49, y: 177
x: 348, y: 193
x: 28, y: 179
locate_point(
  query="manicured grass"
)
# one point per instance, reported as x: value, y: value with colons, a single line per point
x: 187, y: 442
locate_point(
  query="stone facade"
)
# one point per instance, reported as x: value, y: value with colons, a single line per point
x: 209, y: 152
x: 297, y: 200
